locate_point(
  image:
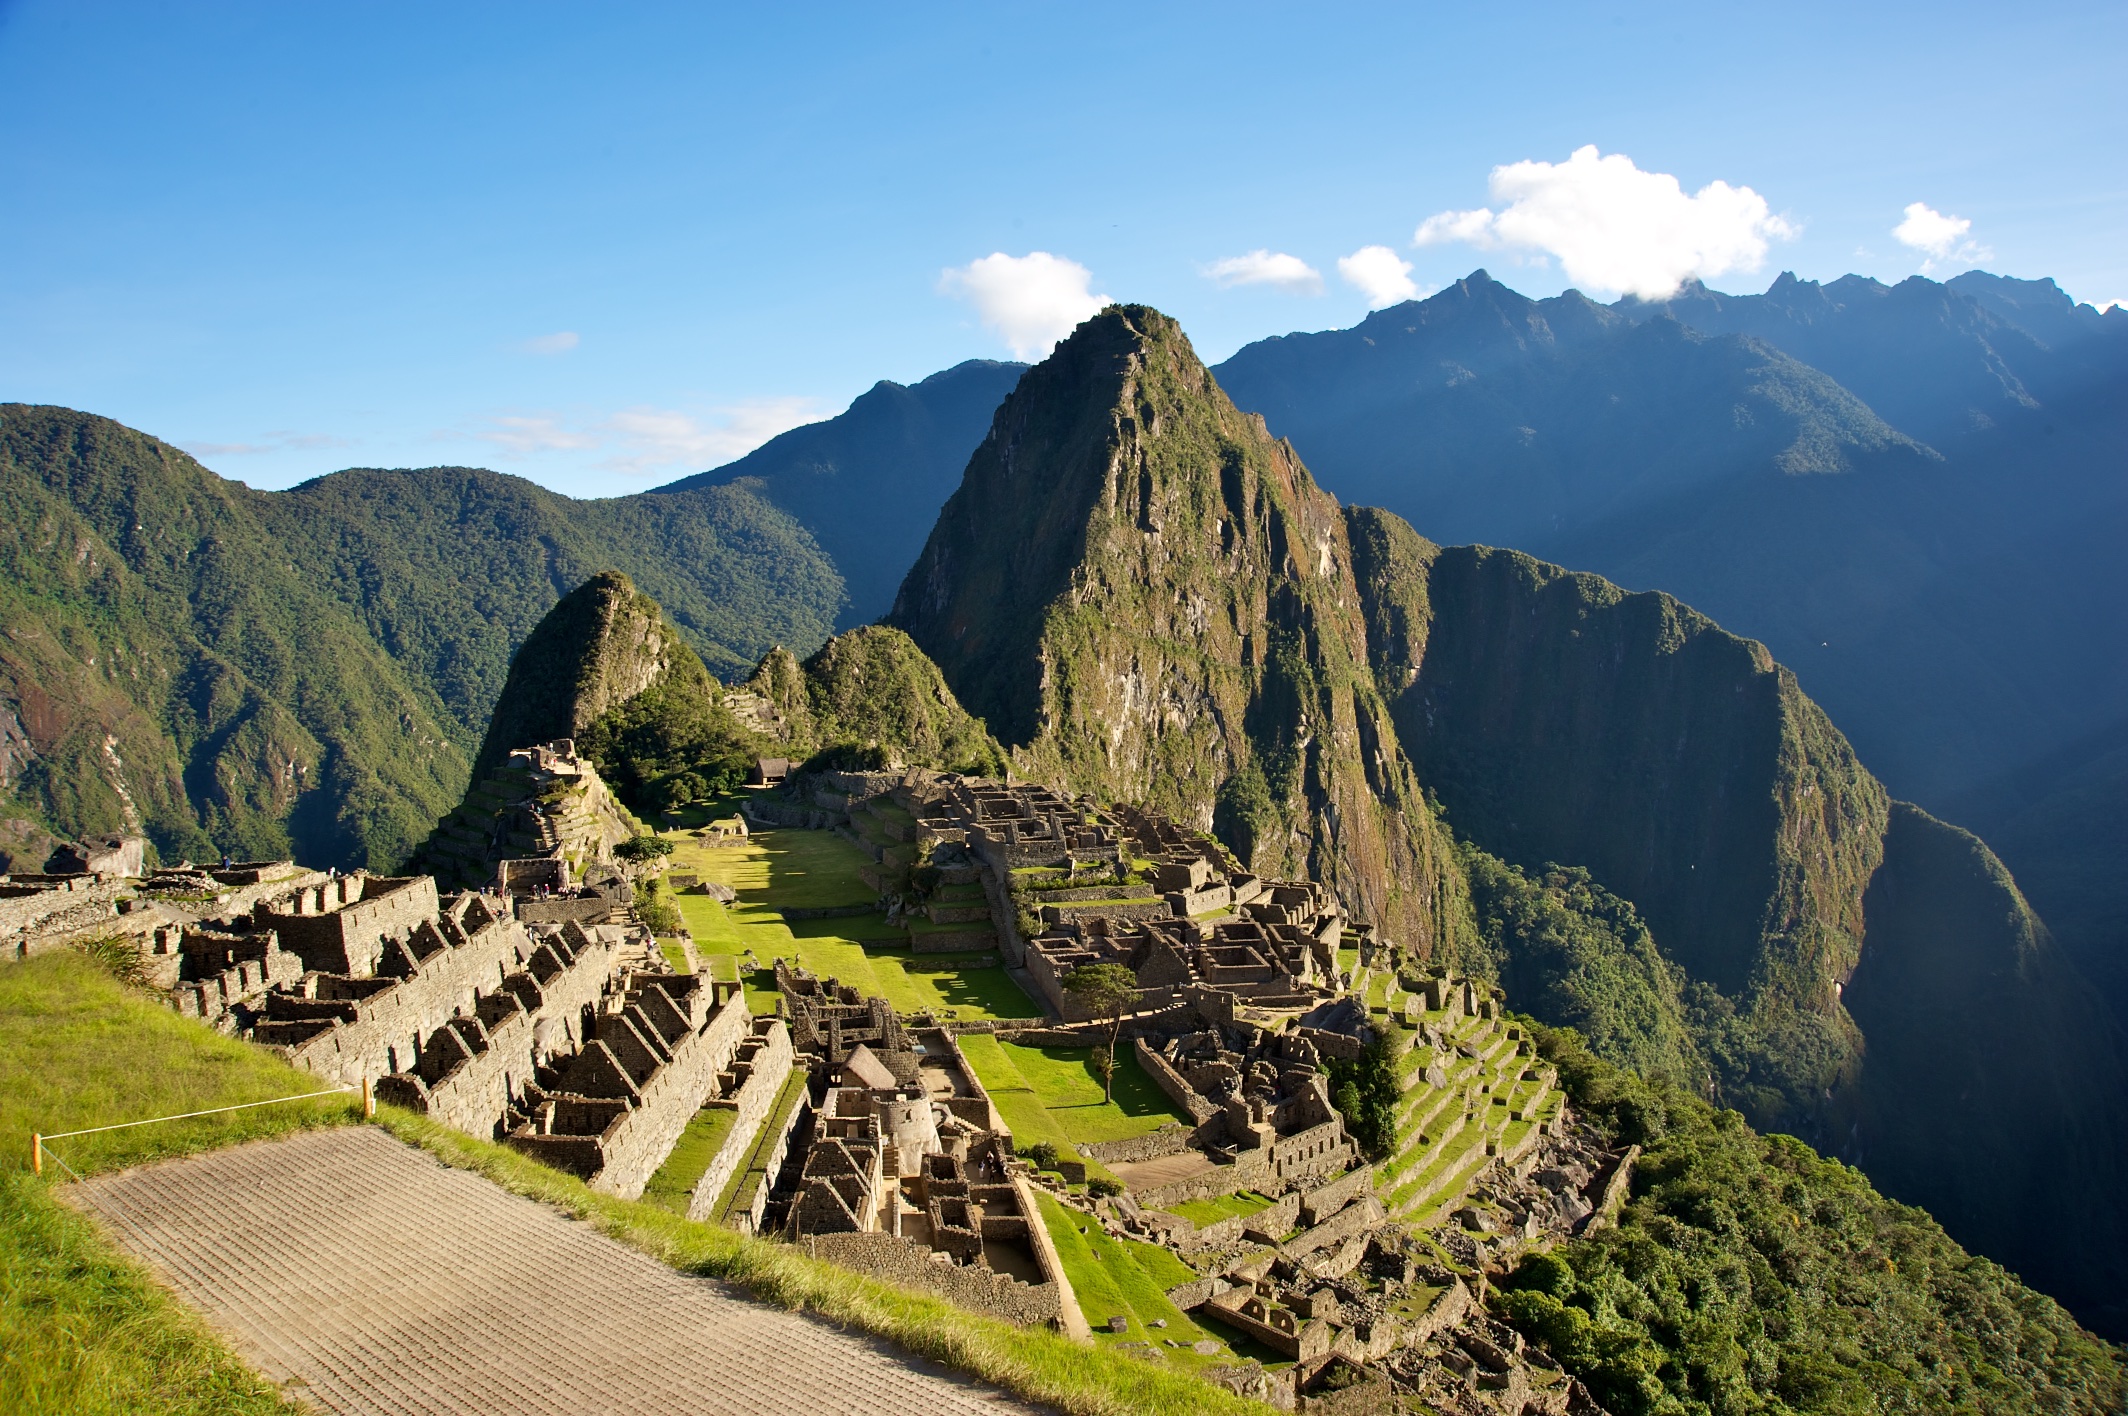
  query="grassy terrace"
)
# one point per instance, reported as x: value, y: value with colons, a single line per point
x: 1203, y: 1213
x: 792, y: 869
x: 746, y: 1182
x: 85, y: 1332
x: 1123, y: 1278
x: 1053, y: 1091
x: 673, y: 1186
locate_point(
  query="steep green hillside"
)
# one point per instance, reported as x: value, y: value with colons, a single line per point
x: 1571, y: 952
x: 173, y: 667
x: 2061, y: 826
x: 1147, y: 597
x: 870, y: 697
x: 1844, y: 967
x: 1994, y: 1091
x: 450, y: 567
x: 868, y: 482
x: 308, y: 672
x: 1746, y: 1274
x: 1561, y: 719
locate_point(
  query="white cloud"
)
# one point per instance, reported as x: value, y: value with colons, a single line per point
x: 651, y: 438
x: 1031, y: 301
x: 1378, y: 273
x: 647, y: 439
x: 560, y: 342
x: 1614, y: 227
x: 1939, y: 238
x: 1273, y: 268
x: 2105, y: 305
x: 524, y: 435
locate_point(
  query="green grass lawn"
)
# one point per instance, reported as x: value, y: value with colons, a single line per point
x: 1123, y: 1277
x: 673, y: 1186
x: 1203, y: 1213
x: 78, y: 1049
x: 794, y: 868
x: 82, y: 1328
x: 1051, y: 1093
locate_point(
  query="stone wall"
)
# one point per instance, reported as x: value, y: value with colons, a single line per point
x: 1266, y: 1226
x: 392, y: 1025
x: 31, y: 922
x: 1320, y: 1203
x: 750, y: 1222
x: 770, y: 1068
x: 632, y: 1149
x: 1172, y: 1082
x: 340, y: 927
x: 1171, y: 1139
x: 907, y: 1264
x: 1010, y: 944
x: 508, y: 1033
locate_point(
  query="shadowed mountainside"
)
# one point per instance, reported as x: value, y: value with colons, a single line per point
x: 868, y: 482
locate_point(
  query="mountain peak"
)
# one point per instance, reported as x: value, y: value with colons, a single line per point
x: 1147, y: 597
x: 602, y: 644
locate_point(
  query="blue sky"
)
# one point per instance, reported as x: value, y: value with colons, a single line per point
x: 605, y: 246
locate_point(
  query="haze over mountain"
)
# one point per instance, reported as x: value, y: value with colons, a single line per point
x: 1147, y: 596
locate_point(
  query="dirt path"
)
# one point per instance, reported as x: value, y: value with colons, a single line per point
x: 369, y: 1278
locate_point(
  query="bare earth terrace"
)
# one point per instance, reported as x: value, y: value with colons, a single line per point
x: 362, y: 1274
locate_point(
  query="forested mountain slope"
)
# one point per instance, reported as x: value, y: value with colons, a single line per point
x: 309, y: 672
x: 1147, y: 596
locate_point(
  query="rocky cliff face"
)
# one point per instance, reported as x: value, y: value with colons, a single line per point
x: 1147, y: 597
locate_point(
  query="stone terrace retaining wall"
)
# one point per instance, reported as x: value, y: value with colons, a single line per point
x: 771, y: 1068
x: 632, y: 1149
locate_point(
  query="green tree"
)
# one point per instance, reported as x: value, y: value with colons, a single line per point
x: 1105, y: 988
x: 1365, y: 1091
x: 640, y: 850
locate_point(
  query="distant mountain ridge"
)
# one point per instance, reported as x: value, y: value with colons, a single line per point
x: 868, y: 482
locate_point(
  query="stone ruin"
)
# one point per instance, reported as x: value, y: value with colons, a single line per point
x: 900, y: 1166
x: 645, y: 1062
x: 544, y: 818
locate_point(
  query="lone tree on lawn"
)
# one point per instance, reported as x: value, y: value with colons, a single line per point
x: 641, y: 850
x: 1105, y: 988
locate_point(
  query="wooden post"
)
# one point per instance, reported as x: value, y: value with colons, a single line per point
x: 36, y: 1153
x: 369, y: 1101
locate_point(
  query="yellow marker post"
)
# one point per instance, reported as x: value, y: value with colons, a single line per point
x: 36, y: 1153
